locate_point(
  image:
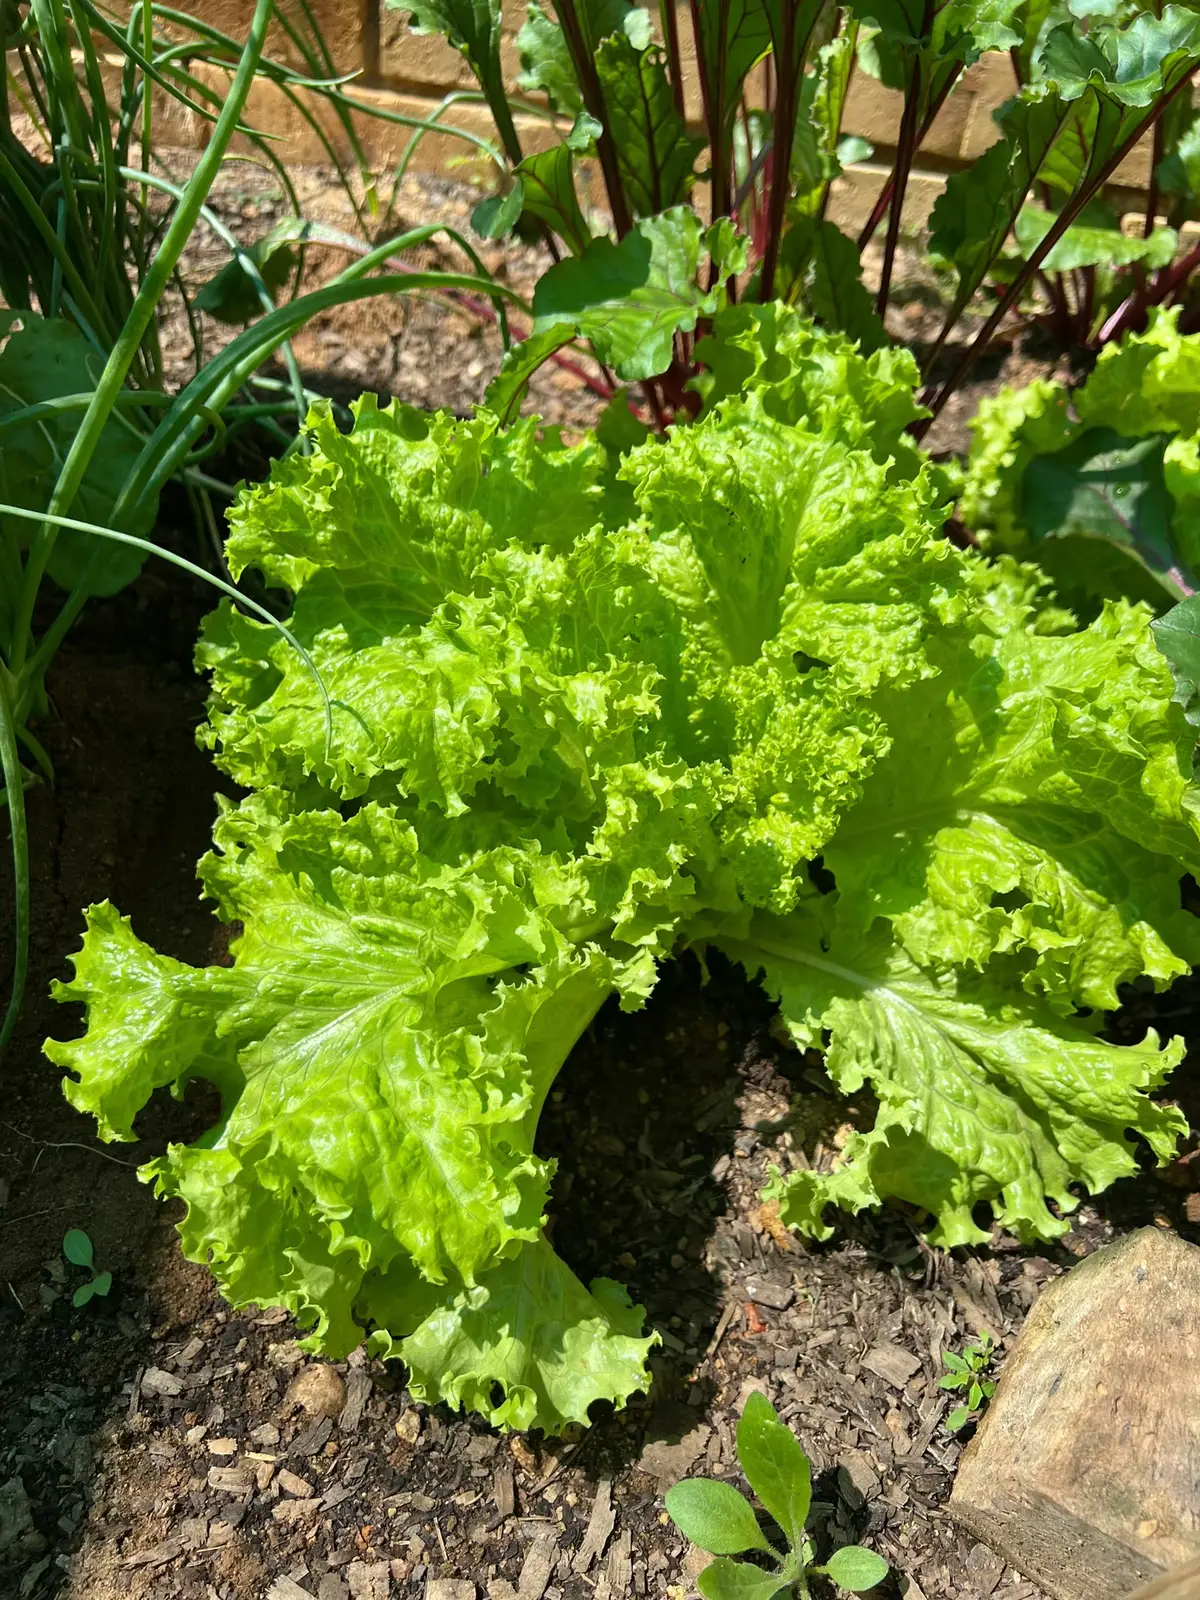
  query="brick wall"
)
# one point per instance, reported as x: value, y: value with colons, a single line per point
x: 410, y: 74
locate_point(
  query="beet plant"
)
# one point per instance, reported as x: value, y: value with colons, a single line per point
x: 728, y: 689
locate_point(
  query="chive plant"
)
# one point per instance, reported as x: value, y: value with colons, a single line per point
x: 88, y: 433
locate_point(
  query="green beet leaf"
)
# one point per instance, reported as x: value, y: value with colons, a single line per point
x: 48, y: 359
x: 630, y: 299
x: 856, y: 1569
x: 776, y: 1467
x: 1104, y: 486
x: 715, y: 1516
x: 1104, y: 489
x: 233, y: 295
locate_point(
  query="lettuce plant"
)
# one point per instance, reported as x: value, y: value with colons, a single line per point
x: 731, y: 688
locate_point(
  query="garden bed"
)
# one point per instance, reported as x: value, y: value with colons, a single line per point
x: 153, y: 1429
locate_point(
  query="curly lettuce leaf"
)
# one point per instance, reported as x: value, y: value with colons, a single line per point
x: 1038, y: 812
x: 380, y: 1049
x: 983, y: 1097
x: 527, y: 1346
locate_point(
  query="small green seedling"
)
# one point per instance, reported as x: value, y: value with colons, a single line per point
x: 964, y: 1372
x: 77, y: 1248
x: 718, y: 1519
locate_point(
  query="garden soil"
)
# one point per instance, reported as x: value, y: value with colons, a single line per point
x: 158, y: 1445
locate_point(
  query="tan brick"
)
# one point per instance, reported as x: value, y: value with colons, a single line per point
x: 340, y: 23
x: 426, y: 61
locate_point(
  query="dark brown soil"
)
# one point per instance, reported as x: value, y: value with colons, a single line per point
x: 149, y: 1446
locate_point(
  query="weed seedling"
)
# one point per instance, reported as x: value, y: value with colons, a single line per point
x: 965, y: 1372
x: 77, y: 1248
x: 718, y: 1519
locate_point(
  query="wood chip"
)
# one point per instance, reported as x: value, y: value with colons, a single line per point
x: 504, y: 1492
x: 669, y: 1461
x: 231, y: 1480
x: 358, y: 1392
x: 222, y: 1447
x: 190, y: 1351
x: 620, y: 1564
x: 156, y: 1381
x: 892, y: 1364
x: 978, y: 1318
x: 772, y: 1294
x: 985, y: 1567
x: 537, y: 1567
x: 294, y: 1510
x: 599, y: 1529
x: 157, y: 1555
x: 314, y: 1438
x: 300, y: 1488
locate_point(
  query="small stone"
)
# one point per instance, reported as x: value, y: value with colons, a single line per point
x: 222, y: 1447
x: 266, y: 1436
x: 300, y: 1488
x: 264, y: 1471
x: 288, y: 1589
x: 332, y: 1588
x: 156, y: 1381
x: 195, y: 1435
x: 319, y: 1390
x: 369, y: 1580
x: 450, y: 1589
